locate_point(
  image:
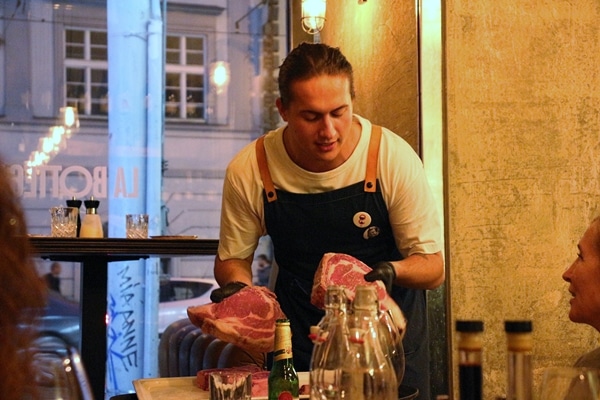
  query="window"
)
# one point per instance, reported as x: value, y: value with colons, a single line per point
x: 86, y: 71
x: 86, y: 74
x: 185, y: 79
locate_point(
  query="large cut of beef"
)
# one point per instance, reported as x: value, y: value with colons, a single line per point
x: 246, y: 319
x: 346, y: 271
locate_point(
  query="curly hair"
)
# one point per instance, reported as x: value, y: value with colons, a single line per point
x: 22, y: 295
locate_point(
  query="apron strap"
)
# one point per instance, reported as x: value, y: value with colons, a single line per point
x: 370, y: 175
x: 265, y: 174
x: 373, y: 155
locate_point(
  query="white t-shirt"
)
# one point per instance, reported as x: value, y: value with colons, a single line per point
x: 406, y: 192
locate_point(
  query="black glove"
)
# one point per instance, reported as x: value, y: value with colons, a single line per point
x: 217, y: 295
x: 382, y: 271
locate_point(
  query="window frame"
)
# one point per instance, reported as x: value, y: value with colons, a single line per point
x: 184, y: 70
x: 88, y: 65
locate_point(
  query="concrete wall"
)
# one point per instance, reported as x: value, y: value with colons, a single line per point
x: 522, y: 158
x: 523, y: 168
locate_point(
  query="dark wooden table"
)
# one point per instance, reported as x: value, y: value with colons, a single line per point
x: 94, y: 256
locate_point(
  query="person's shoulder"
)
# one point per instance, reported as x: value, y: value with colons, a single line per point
x: 247, y: 154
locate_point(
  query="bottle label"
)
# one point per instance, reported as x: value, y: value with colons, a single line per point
x: 282, y: 353
x: 285, y: 396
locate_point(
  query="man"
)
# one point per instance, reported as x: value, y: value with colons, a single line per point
x: 328, y: 182
x: 584, y: 280
x: 52, y: 278
x: 263, y: 270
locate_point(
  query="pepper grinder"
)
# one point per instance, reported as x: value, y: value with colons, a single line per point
x: 91, y: 225
x: 77, y: 204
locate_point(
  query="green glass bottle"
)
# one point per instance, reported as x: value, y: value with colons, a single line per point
x: 283, y: 379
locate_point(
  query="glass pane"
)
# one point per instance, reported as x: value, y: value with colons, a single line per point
x: 173, y: 53
x: 195, y: 44
x: 99, y: 98
x: 194, y: 51
x: 98, y: 49
x: 75, y: 90
x: 196, y: 131
x: 194, y: 81
x: 74, y: 44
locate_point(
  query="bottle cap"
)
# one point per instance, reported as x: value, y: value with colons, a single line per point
x: 469, y: 326
x: 517, y: 326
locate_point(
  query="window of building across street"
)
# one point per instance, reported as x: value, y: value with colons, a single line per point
x: 86, y: 71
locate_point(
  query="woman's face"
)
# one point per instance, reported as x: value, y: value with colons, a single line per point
x: 584, y: 279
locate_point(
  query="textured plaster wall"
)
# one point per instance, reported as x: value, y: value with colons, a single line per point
x: 523, y: 168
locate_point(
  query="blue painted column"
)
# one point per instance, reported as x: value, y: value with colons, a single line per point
x: 135, y: 56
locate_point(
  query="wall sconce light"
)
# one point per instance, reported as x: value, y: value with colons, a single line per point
x: 313, y: 15
x: 69, y: 119
x: 219, y: 75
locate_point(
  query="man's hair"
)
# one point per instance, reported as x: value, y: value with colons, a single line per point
x: 309, y: 60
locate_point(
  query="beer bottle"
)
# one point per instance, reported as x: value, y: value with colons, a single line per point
x: 283, y: 379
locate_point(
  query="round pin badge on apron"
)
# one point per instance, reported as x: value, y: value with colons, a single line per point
x: 362, y: 219
x: 371, y: 232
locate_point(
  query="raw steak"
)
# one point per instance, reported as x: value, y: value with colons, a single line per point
x: 246, y: 319
x: 348, y: 272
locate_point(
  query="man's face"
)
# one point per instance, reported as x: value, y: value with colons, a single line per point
x: 319, y: 134
x: 584, y: 278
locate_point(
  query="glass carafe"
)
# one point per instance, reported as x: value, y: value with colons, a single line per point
x: 330, y: 338
x: 367, y: 373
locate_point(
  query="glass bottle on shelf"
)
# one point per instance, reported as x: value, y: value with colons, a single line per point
x: 519, y: 343
x: 470, y: 343
x: 283, y: 380
x: 367, y: 374
x: 330, y: 338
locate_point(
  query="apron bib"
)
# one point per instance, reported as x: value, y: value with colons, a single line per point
x: 351, y: 220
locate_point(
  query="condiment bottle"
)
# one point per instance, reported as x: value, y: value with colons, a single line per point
x: 91, y: 224
x: 519, y: 343
x: 283, y: 380
x: 77, y: 204
x: 367, y: 373
x: 330, y: 338
x: 470, y: 343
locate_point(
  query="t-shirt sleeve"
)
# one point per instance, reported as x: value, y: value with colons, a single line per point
x: 412, y: 209
x: 241, y: 223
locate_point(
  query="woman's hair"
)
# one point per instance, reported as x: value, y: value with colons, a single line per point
x: 595, y: 225
x: 309, y: 60
x: 22, y: 295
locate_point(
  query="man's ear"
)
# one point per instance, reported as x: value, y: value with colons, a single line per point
x: 282, y: 111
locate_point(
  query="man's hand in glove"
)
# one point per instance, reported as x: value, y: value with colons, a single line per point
x: 217, y: 295
x: 382, y: 271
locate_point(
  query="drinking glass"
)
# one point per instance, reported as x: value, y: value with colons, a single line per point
x: 136, y: 226
x: 63, y: 221
x: 570, y: 383
x: 55, y: 377
x: 230, y: 385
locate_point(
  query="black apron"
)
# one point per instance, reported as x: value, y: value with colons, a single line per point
x: 303, y: 227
